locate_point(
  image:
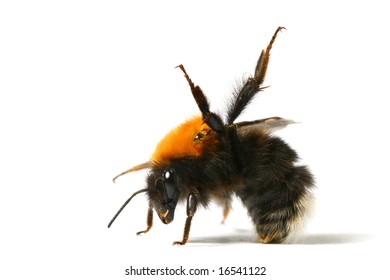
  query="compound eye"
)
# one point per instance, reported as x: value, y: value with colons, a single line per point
x: 170, y: 189
x: 166, y: 183
x: 167, y: 174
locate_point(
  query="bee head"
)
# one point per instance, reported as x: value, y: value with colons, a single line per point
x: 163, y: 193
x: 161, y: 189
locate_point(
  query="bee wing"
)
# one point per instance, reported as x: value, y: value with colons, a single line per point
x: 268, y: 125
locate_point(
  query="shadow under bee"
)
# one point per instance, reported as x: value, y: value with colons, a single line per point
x: 249, y: 236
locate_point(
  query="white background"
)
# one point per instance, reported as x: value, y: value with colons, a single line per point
x: 87, y: 88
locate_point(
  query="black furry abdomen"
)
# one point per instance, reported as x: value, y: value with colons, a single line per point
x: 276, y: 190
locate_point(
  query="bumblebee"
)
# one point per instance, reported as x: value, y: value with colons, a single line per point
x: 208, y: 158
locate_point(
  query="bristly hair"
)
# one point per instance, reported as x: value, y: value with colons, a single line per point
x: 238, y: 101
x: 241, y: 98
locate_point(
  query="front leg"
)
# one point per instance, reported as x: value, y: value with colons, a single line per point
x: 191, y: 209
x: 149, y: 221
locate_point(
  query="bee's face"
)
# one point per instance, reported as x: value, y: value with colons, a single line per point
x: 163, y: 194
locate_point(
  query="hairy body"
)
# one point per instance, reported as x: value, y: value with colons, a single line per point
x: 206, y: 159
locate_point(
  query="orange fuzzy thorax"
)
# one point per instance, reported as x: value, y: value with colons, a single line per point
x: 183, y: 141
